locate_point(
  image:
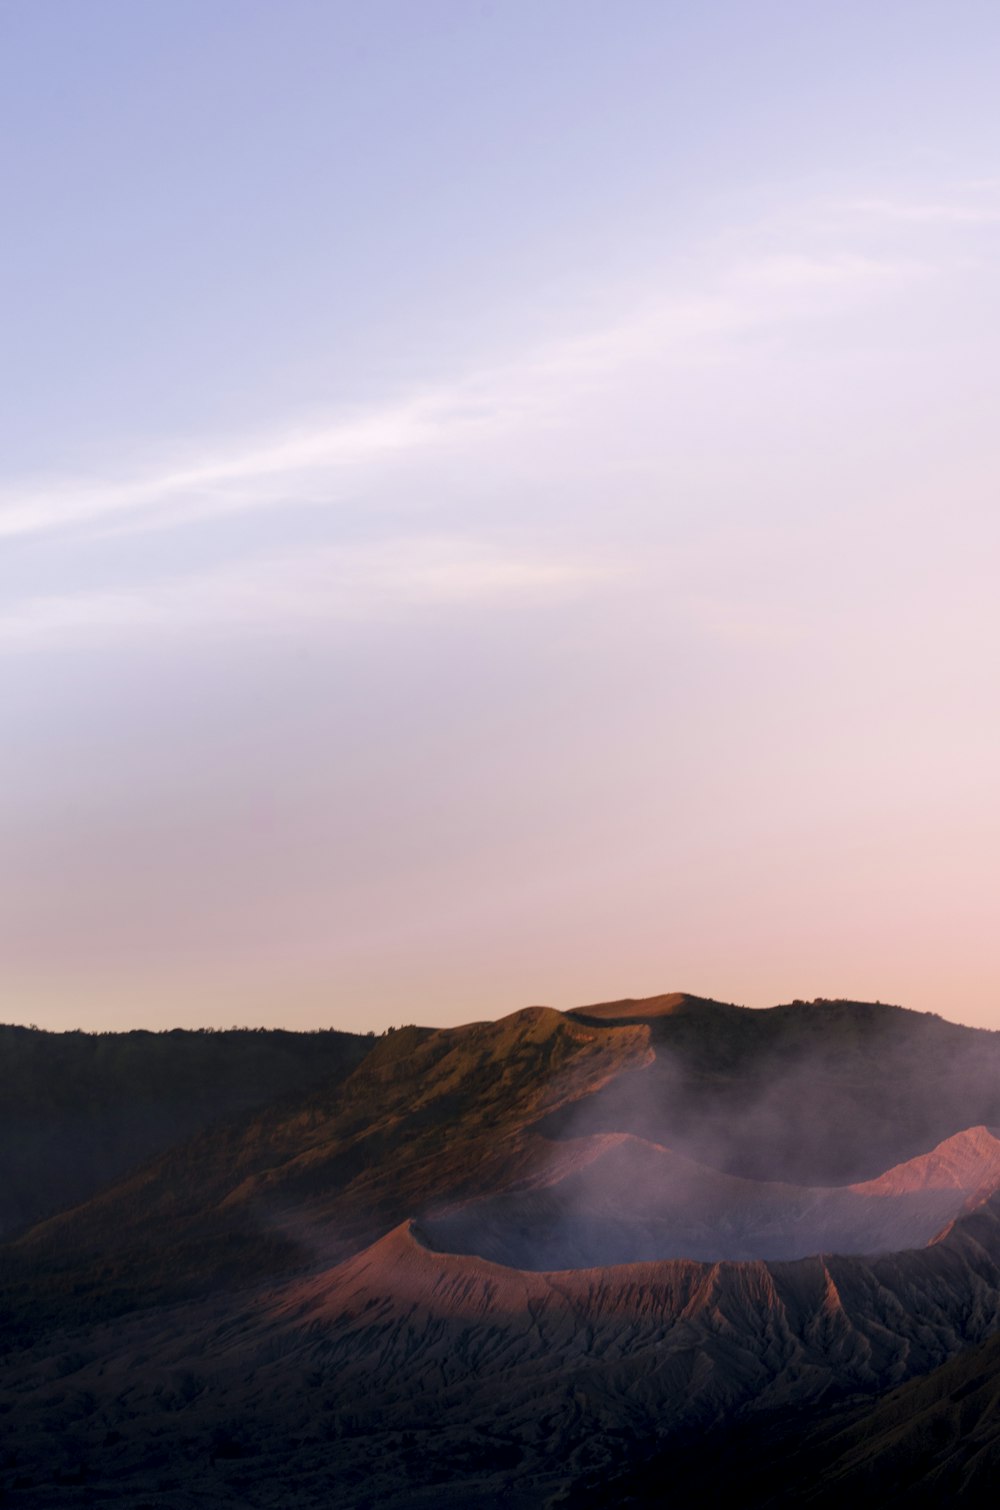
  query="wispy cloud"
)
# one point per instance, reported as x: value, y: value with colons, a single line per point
x: 240, y: 477
x: 322, y: 460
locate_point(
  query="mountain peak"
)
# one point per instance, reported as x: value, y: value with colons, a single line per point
x: 968, y: 1160
x: 642, y: 1009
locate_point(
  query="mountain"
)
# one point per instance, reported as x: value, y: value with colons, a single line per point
x: 407, y: 1376
x: 546, y: 1260
x: 427, y: 1117
x: 824, y: 1092
x: 934, y: 1441
x: 77, y: 1110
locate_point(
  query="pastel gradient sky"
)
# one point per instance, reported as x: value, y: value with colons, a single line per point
x: 498, y: 504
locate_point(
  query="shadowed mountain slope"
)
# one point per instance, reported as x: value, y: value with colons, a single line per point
x: 79, y: 1109
x: 932, y: 1442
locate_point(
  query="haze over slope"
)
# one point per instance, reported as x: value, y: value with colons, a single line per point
x: 808, y: 1094
x: 427, y: 1117
x: 496, y: 1261
x: 617, y: 1199
x: 824, y: 1092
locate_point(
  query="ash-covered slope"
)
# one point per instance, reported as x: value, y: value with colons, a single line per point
x: 968, y: 1161
x: 613, y: 1199
x: 733, y: 1332
x: 931, y: 1443
x: 404, y: 1377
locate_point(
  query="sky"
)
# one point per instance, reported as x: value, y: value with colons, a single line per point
x: 498, y: 505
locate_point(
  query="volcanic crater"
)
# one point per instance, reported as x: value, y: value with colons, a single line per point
x: 618, y: 1199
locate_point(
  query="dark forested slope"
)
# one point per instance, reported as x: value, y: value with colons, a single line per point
x: 79, y: 1109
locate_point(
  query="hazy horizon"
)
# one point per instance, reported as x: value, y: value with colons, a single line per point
x: 497, y: 508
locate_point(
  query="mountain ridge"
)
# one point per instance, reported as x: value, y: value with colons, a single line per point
x: 278, y: 1303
